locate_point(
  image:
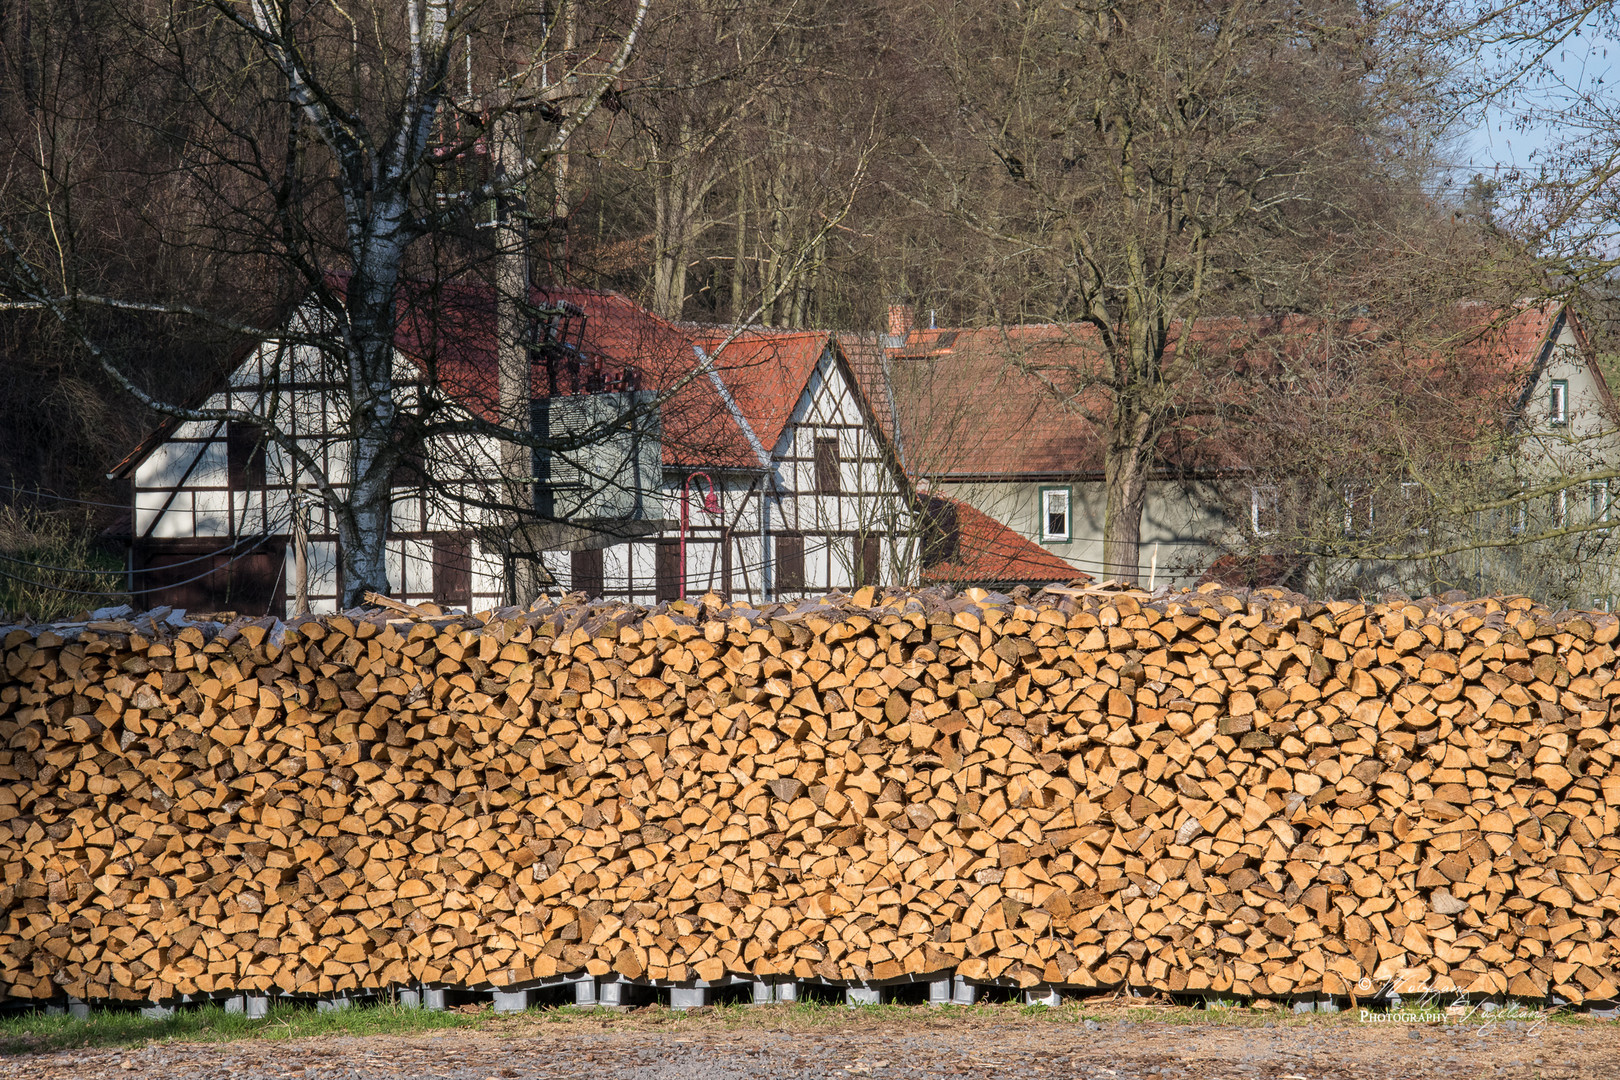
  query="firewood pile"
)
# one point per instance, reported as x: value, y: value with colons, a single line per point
x: 1244, y: 793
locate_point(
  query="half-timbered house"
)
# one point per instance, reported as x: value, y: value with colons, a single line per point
x: 767, y: 451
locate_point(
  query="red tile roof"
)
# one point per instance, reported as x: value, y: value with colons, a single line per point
x: 989, y: 553
x: 1022, y: 400
x: 625, y: 346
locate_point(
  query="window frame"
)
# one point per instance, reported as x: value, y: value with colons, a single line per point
x: 1355, y: 494
x: 1047, y: 536
x: 1415, y: 494
x: 1558, y: 402
x: 1255, y: 493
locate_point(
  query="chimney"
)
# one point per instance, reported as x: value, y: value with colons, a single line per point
x: 902, y: 317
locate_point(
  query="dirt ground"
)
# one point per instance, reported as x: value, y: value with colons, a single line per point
x: 776, y: 1043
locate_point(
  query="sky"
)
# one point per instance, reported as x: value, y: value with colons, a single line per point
x: 1584, y: 65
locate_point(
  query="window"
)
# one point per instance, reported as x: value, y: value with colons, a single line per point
x: 1055, y: 515
x: 667, y: 568
x: 1598, y: 495
x: 244, y: 456
x: 1415, y: 503
x: 1263, y: 510
x: 1600, y: 603
x: 789, y: 564
x: 1560, y: 508
x: 1358, y: 511
x: 829, y: 478
x: 1558, y: 401
x: 452, y: 571
x: 585, y: 571
x: 1519, y: 514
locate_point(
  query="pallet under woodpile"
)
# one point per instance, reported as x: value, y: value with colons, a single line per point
x: 1225, y: 793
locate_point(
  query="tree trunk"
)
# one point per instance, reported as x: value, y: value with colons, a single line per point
x: 363, y: 519
x: 516, y: 391
x: 1125, y: 482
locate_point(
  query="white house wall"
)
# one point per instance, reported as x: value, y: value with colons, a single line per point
x: 182, y: 491
x: 829, y: 525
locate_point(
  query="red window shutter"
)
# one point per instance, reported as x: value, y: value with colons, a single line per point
x: 871, y: 555
x: 668, y: 568
x: 585, y: 569
x: 790, y: 564
x: 829, y: 478
x: 452, y: 571
x: 244, y: 456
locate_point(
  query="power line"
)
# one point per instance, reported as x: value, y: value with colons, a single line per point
x: 141, y: 592
x: 38, y: 494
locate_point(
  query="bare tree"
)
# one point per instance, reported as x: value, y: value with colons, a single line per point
x: 305, y: 149
x: 1136, y: 167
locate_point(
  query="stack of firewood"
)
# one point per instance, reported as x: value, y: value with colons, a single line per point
x: 1243, y: 793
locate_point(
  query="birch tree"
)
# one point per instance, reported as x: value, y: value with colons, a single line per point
x: 299, y: 148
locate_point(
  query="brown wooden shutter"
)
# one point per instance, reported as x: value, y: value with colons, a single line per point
x: 668, y: 568
x: 244, y: 456
x: 790, y: 564
x: 585, y: 568
x: 829, y: 480
x: 871, y: 554
x: 452, y: 571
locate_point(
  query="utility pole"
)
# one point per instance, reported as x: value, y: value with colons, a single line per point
x: 300, y: 523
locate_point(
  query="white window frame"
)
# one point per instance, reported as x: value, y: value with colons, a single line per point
x: 1263, y: 496
x: 1354, y: 494
x: 1558, y: 402
x: 1414, y: 494
x: 1047, y: 496
x: 1520, y: 511
x: 1600, y: 502
x: 1560, y: 508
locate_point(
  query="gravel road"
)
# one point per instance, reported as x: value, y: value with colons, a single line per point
x: 995, y: 1047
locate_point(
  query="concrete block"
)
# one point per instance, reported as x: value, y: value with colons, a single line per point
x: 788, y: 991
x: 78, y: 1008
x: 334, y: 1003
x: 688, y: 997
x: 939, y: 992
x: 585, y: 992
x: 863, y: 995
x: 963, y: 992
x: 258, y: 1006
x: 157, y: 1012
x: 409, y: 999
x: 612, y: 992
x: 511, y: 1001
x: 764, y: 993
x: 55, y: 1008
x: 433, y: 997
x: 1304, y: 1005
x: 1047, y: 996
x: 1327, y: 1005
x: 235, y: 1004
